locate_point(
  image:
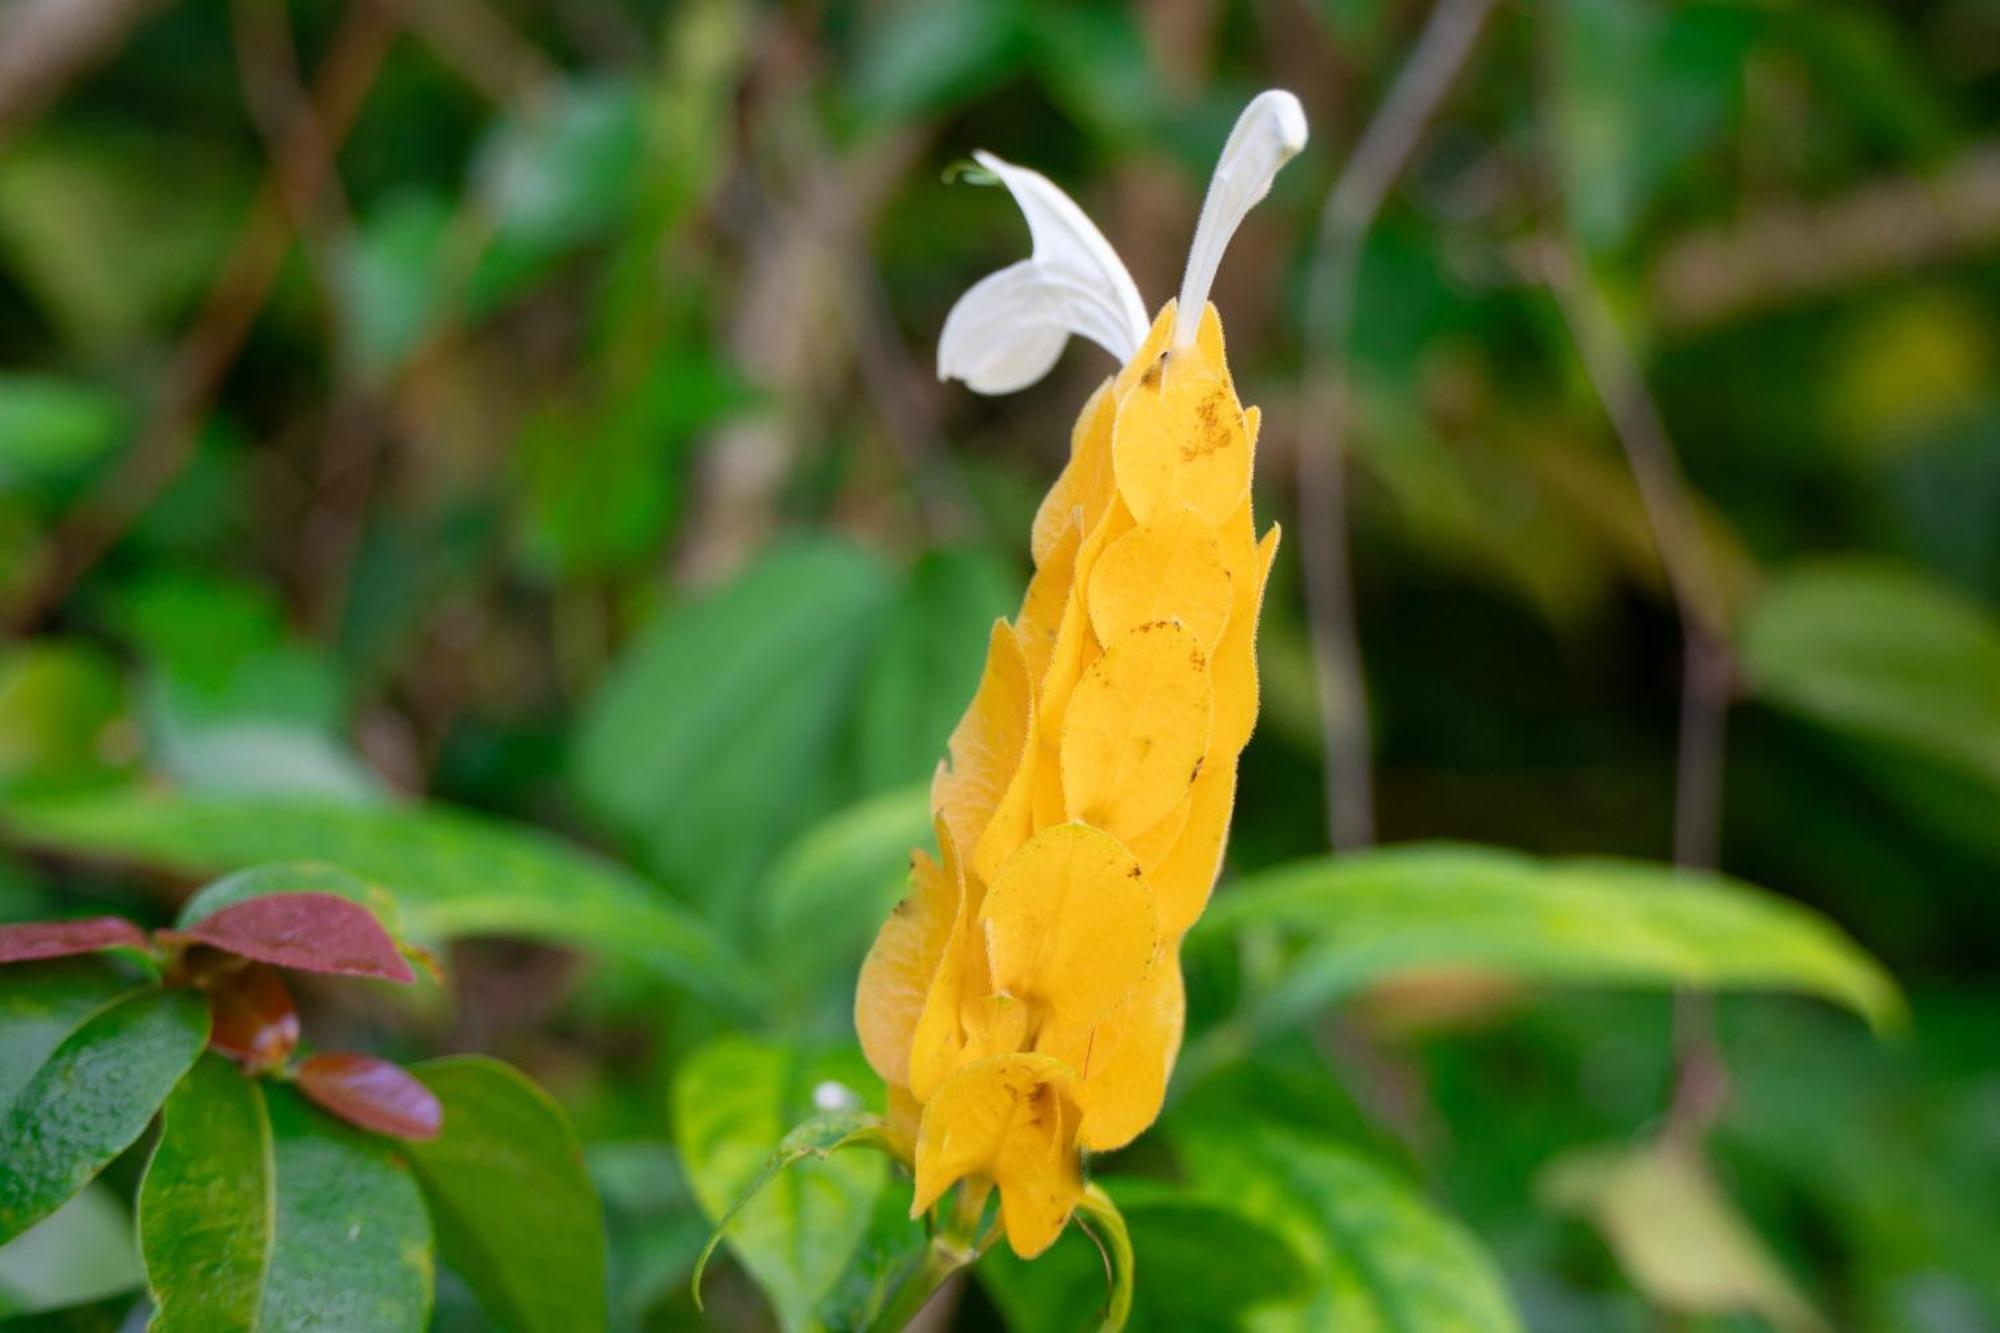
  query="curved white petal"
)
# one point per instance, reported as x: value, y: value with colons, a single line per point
x: 1009, y: 328
x: 1269, y: 133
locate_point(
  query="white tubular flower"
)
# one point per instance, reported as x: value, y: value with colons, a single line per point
x: 1008, y: 329
x: 1269, y: 133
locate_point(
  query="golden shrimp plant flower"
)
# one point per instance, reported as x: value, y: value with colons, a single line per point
x: 1024, y: 1002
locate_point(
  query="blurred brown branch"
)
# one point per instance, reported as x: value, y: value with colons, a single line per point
x: 46, y: 44
x: 1797, y: 251
x: 234, y: 299
x: 1707, y: 671
x: 1385, y: 147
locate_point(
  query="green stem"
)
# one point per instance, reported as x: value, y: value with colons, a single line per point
x: 944, y: 1258
x: 1106, y: 1225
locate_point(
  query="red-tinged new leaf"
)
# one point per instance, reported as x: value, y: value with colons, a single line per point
x: 34, y: 940
x: 253, y: 1020
x: 373, y: 1094
x: 313, y: 932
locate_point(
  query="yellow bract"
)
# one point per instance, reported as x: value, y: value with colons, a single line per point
x: 1025, y: 1002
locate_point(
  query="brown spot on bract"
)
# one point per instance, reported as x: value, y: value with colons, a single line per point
x: 1134, y: 873
x: 1197, y: 771
x: 1151, y: 379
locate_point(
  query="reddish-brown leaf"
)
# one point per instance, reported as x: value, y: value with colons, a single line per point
x: 373, y: 1094
x: 313, y: 932
x: 254, y: 1020
x: 58, y: 939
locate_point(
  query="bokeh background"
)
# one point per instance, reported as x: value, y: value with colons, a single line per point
x: 528, y: 404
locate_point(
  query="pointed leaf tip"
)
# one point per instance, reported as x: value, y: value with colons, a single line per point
x: 312, y: 932
x: 34, y: 940
x: 374, y: 1094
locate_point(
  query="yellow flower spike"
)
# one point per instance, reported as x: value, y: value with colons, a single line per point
x: 1011, y: 1119
x: 1070, y: 929
x: 1137, y: 729
x: 1171, y: 568
x: 1045, y: 607
x: 1235, y: 671
x: 1086, y: 483
x: 1124, y: 1080
x: 1026, y: 1004
x: 896, y: 976
x: 1180, y: 439
x: 989, y: 743
x: 1182, y: 879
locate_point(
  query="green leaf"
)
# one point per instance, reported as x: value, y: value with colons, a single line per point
x: 1175, y: 1232
x: 515, y: 1212
x: 351, y: 1247
x: 1642, y: 89
x: 64, y: 722
x: 818, y: 1138
x: 918, y: 56
x: 1378, y: 1257
x: 453, y: 873
x: 825, y: 900
x: 559, y: 173
x: 711, y: 739
x: 656, y: 1228
x: 1883, y: 654
x: 258, y: 1212
x: 926, y: 664
x: 1676, y: 1234
x: 81, y: 1252
x: 51, y: 428
x: 733, y: 1101
x: 42, y: 1003
x: 1374, y: 914
x: 205, y: 1205
x: 392, y: 276
x: 93, y: 1096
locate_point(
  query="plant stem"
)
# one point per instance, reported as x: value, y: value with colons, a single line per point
x: 1351, y: 206
x: 1706, y: 671
x: 945, y: 1258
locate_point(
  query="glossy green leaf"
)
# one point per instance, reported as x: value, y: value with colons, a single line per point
x: 352, y: 1245
x: 760, y: 674
x: 1370, y: 915
x: 734, y: 1100
x: 259, y: 1213
x: 1243, y: 1262
x: 824, y: 901
x: 453, y: 873
x: 81, y: 1252
x: 926, y: 664
x: 42, y: 1003
x: 92, y: 1097
x: 514, y: 1209
x: 1884, y: 654
x: 1378, y: 1257
x: 206, y: 1223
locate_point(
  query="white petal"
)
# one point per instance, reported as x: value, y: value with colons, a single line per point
x: 1269, y: 133
x: 1007, y: 331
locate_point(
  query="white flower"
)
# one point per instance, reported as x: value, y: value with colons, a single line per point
x: 1007, y: 331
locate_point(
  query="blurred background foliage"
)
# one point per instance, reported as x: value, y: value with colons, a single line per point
x: 527, y: 406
